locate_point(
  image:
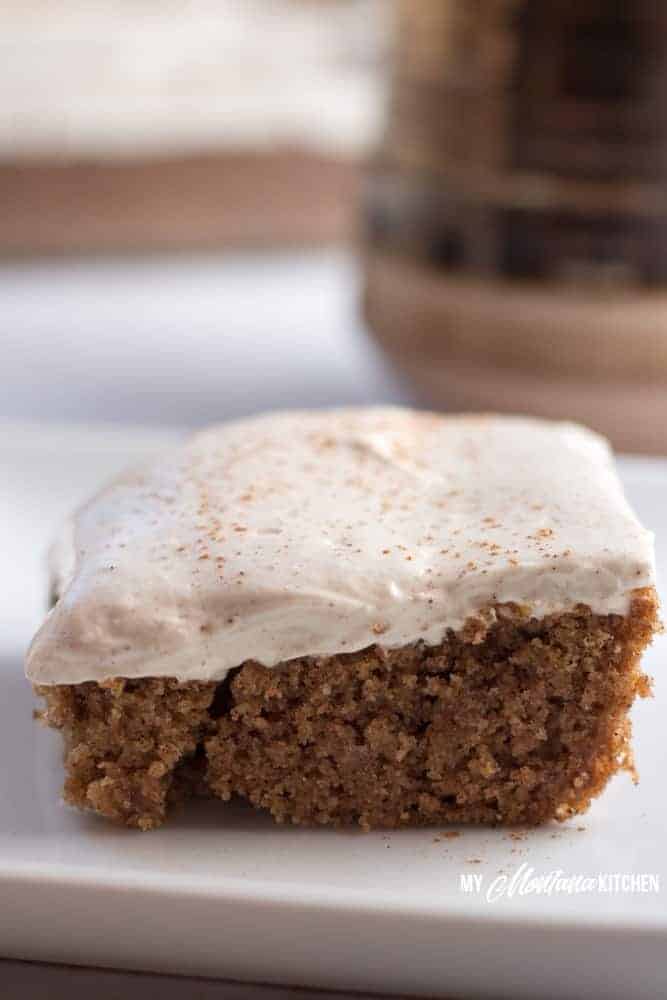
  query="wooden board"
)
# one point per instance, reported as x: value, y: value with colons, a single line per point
x: 190, y: 202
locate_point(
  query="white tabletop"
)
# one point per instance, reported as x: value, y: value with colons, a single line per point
x: 184, y: 340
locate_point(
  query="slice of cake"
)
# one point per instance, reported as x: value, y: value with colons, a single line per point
x: 369, y: 616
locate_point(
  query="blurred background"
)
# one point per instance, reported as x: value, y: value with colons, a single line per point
x: 214, y: 207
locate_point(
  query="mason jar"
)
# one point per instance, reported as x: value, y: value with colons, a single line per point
x: 516, y: 215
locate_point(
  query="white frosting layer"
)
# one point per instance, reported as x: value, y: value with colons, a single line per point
x: 310, y: 533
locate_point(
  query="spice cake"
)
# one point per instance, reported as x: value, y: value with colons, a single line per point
x: 370, y: 616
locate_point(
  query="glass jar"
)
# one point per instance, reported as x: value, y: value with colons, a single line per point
x: 516, y: 215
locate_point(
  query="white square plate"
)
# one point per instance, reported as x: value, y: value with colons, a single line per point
x: 222, y: 891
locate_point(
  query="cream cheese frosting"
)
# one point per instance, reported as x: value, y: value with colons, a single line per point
x: 316, y: 533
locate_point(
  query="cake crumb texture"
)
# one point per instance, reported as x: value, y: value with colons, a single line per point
x: 521, y: 724
x: 130, y: 746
